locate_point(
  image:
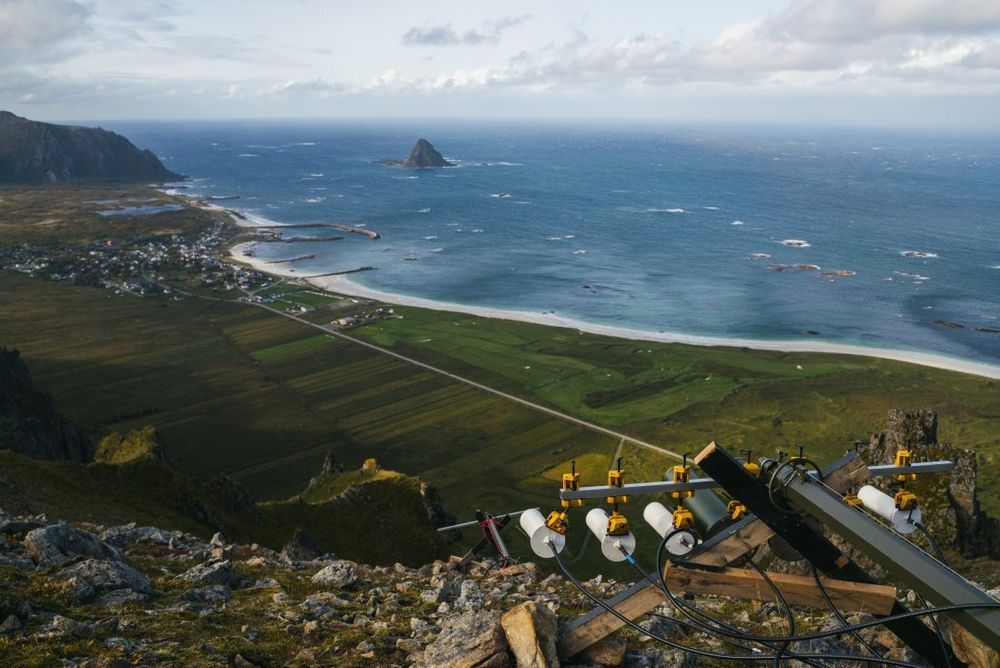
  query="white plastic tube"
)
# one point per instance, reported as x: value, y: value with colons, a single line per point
x: 611, y: 546
x: 657, y: 516
x: 884, y: 506
x: 543, y: 539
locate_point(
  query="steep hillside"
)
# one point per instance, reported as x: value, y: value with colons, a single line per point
x: 29, y: 423
x: 33, y: 152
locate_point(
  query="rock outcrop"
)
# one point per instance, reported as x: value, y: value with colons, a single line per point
x: 29, y: 423
x: 951, y: 507
x: 423, y: 156
x: 33, y: 152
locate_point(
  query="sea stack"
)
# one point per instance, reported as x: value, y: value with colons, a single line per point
x: 424, y: 155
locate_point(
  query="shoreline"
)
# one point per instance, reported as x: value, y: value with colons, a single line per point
x: 343, y: 285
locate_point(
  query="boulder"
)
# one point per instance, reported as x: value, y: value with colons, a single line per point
x: 98, y: 576
x: 64, y: 627
x: 470, y: 640
x: 972, y: 650
x: 531, y: 629
x: 339, y: 574
x: 56, y: 544
x: 127, y: 534
x: 299, y: 548
x: 609, y: 652
x: 118, y: 597
x: 10, y: 626
x: 218, y: 572
x: 210, y: 594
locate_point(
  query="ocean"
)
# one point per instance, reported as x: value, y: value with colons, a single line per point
x: 873, y: 238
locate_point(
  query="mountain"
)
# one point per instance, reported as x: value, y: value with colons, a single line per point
x: 29, y: 423
x: 423, y: 155
x: 34, y: 152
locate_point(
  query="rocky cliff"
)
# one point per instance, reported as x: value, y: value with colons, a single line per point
x: 29, y: 423
x: 33, y: 152
x: 422, y: 156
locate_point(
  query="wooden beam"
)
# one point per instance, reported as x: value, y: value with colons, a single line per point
x: 721, y: 549
x: 801, y: 590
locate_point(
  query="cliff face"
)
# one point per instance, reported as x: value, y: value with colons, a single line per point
x: 33, y: 152
x: 425, y: 155
x: 29, y: 423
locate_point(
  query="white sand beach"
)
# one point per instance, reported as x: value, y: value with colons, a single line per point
x: 345, y: 286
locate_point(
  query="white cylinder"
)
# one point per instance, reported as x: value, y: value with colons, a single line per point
x: 658, y: 517
x: 884, y: 506
x: 611, y: 546
x: 679, y: 542
x: 543, y: 539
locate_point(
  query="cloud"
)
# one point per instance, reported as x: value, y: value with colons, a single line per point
x: 33, y: 31
x: 445, y: 35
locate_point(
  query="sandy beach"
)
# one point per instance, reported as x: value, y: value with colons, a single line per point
x: 345, y: 286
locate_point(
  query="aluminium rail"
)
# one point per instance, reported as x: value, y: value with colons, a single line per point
x: 661, y: 486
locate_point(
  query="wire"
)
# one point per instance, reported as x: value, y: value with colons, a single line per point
x: 837, y: 613
x: 701, y: 652
x: 933, y: 543
x: 937, y: 630
x: 784, y: 604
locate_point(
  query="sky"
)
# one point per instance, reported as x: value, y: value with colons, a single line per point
x: 895, y: 63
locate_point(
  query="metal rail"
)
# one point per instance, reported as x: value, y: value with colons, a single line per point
x: 661, y: 486
x: 475, y: 523
x: 926, y: 575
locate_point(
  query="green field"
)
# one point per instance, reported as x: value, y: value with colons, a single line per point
x: 239, y: 390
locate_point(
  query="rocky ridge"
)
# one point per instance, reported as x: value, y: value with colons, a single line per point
x: 33, y: 152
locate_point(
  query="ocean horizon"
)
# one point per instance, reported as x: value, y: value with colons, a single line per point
x: 876, y: 239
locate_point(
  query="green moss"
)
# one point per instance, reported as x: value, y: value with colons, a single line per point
x: 138, y: 443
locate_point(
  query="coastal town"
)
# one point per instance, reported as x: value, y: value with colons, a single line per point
x: 196, y: 264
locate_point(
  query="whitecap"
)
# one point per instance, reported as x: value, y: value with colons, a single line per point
x: 796, y: 243
x: 314, y: 200
x: 579, y: 252
x: 247, y: 155
x: 737, y: 222
x: 657, y: 210
x: 921, y: 254
x: 760, y: 256
x: 710, y: 208
x: 569, y: 236
x: 437, y: 250
x: 478, y: 229
x: 555, y: 238
x: 316, y: 175
x: 424, y: 211
x: 430, y: 238
x: 303, y: 143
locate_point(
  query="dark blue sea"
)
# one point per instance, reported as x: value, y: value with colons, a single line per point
x: 719, y: 232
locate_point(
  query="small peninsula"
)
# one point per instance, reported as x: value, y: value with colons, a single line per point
x: 423, y: 156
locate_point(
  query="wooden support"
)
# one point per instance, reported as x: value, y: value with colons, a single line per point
x: 801, y: 590
x: 721, y: 549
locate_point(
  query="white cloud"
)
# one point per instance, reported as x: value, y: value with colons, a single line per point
x: 38, y: 30
x: 445, y: 35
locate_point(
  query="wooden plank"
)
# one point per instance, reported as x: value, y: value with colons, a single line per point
x: 801, y: 590
x: 720, y: 550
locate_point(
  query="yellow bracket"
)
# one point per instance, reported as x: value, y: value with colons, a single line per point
x: 736, y: 510
x: 904, y: 458
x: 852, y: 500
x: 617, y: 524
x: 906, y: 500
x: 683, y: 519
x: 571, y: 482
x: 753, y: 468
x: 616, y: 478
x: 558, y: 521
x: 682, y: 473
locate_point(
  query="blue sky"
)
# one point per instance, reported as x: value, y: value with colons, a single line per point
x: 855, y: 62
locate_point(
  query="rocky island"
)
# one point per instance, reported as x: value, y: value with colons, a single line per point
x: 423, y: 156
x: 34, y: 152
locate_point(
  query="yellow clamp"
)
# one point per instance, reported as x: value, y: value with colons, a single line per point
x: 558, y: 521
x: 617, y: 524
x: 682, y: 473
x: 904, y: 458
x: 851, y: 499
x: 616, y: 478
x: 571, y: 482
x: 683, y: 519
x: 736, y: 510
x: 906, y: 500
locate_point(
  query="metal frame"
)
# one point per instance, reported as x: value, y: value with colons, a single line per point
x: 666, y: 486
x: 917, y: 569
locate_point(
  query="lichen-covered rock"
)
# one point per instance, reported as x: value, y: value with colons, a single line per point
x: 99, y: 576
x: 470, y: 640
x: 64, y: 627
x: 609, y: 652
x: 56, y: 544
x: 972, y: 650
x: 218, y: 572
x: 530, y: 630
x: 127, y: 534
x: 341, y: 573
x: 210, y: 594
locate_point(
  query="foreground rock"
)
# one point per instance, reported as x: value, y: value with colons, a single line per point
x: 470, y: 640
x: 56, y: 544
x: 530, y: 630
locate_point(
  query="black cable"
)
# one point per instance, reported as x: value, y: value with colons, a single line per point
x: 784, y: 604
x: 933, y: 543
x: 837, y: 613
x: 701, y: 626
x: 937, y: 630
x: 706, y: 653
